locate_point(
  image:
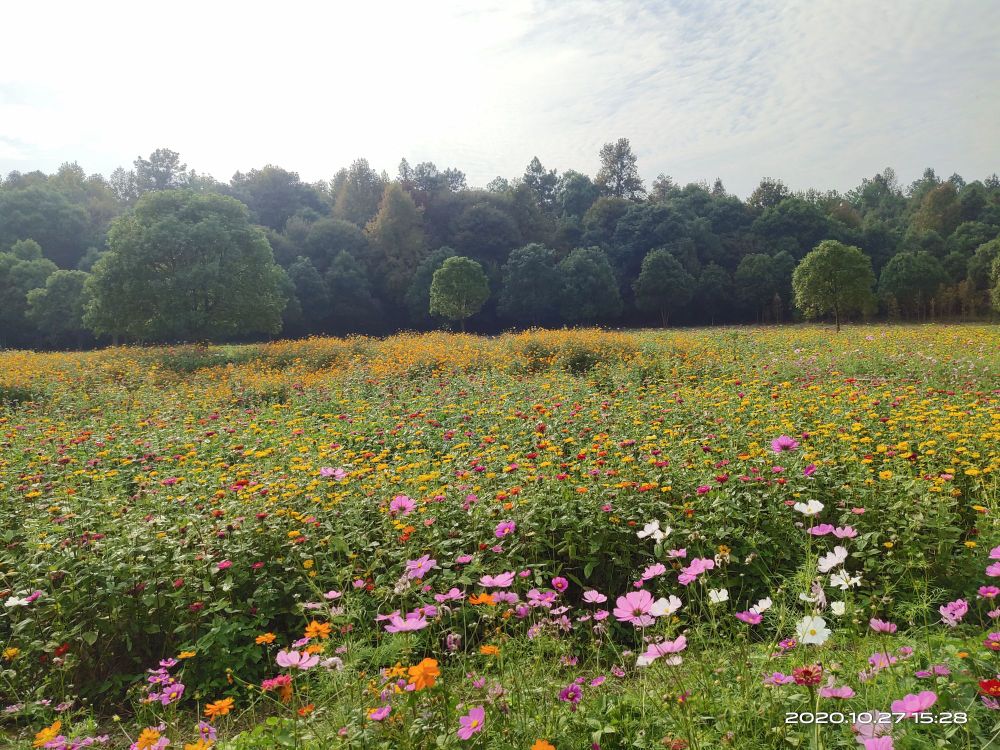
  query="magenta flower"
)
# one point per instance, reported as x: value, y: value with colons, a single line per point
x: 783, y: 443
x: 635, y: 608
x: 420, y: 567
x: 995, y: 553
x: 472, y: 723
x: 463, y: 559
x: 225, y: 564
x: 560, y: 584
x: 501, y: 581
x: 877, y: 743
x: 750, y: 618
x: 993, y: 571
x: 571, y: 694
x: 914, y: 704
x: 988, y: 592
x: 380, y: 713
x: 809, y: 470
x: 882, y: 626
x: 401, y: 504
x: 296, y: 660
x: 703, y: 489
x: 821, y: 529
x: 504, y: 528
x: 953, y: 612
x: 329, y: 472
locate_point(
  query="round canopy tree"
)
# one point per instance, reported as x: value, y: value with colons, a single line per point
x: 185, y: 267
x: 663, y: 284
x: 459, y: 289
x: 834, y: 278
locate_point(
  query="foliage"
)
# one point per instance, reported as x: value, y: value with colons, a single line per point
x: 588, y: 291
x: 833, y: 278
x: 663, y: 285
x: 458, y: 289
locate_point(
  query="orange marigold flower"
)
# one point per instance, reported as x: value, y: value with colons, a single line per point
x: 265, y: 638
x: 395, y: 672
x: 47, y: 735
x: 148, y: 739
x: 489, y: 650
x: 482, y: 599
x: 307, y: 709
x: 187, y: 654
x: 543, y: 745
x: 219, y: 708
x: 424, y: 674
x: 199, y: 745
x: 318, y: 629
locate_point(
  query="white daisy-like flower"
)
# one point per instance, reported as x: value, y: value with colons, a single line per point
x: 838, y: 608
x: 762, y: 606
x: 653, y: 531
x: 812, y: 508
x: 844, y: 580
x: 812, y: 629
x: 831, y: 560
x: 718, y: 596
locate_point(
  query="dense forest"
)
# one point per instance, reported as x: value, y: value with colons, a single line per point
x: 161, y: 252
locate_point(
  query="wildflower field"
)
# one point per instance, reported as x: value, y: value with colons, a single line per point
x: 747, y: 538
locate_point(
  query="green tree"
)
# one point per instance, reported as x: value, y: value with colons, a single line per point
x: 21, y: 270
x: 353, y: 307
x: 541, y: 183
x: 588, y: 290
x: 357, y: 193
x: 663, y: 285
x: 576, y: 193
x: 418, y: 294
x: 530, y: 286
x: 756, y: 283
x: 834, y: 278
x: 995, y: 291
x: 714, y: 287
x: 57, y: 308
x: 327, y: 238
x: 768, y: 194
x: 619, y: 173
x: 274, y: 195
x: 184, y: 266
x: 45, y: 215
x: 911, y: 279
x: 311, y: 292
x: 397, y: 242
x: 459, y: 289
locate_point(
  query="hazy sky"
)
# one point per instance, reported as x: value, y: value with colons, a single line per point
x: 817, y: 93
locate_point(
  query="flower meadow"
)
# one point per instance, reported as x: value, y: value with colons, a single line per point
x: 747, y: 538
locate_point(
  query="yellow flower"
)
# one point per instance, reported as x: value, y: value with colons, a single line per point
x: 199, y: 745
x: 48, y: 734
x: 187, y: 654
x: 260, y: 640
x: 10, y: 653
x: 888, y: 545
x: 147, y: 739
x: 489, y: 650
x: 885, y: 474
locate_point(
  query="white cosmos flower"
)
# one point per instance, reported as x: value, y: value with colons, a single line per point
x: 812, y: 508
x: 844, y: 580
x: 812, y: 629
x: 762, y: 606
x: 718, y: 596
x: 652, y: 530
x: 831, y: 560
x: 838, y: 608
x: 663, y: 606
x: 15, y: 601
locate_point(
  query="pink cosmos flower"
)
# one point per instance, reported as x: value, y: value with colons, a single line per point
x: 953, y: 612
x: 836, y: 692
x: 332, y: 595
x: 750, y: 618
x: 635, y: 608
x: 777, y: 678
x: 652, y: 571
x: 882, y: 626
x: 594, y: 597
x: 338, y: 474
x: 597, y: 681
x: 420, y: 567
x: 672, y: 553
x: 571, y: 694
x: 401, y: 504
x: 698, y: 566
x: 538, y: 598
x: 877, y: 743
x: 914, y: 704
x: 988, y: 592
x: 560, y: 584
x: 845, y: 532
x: 380, y: 713
x: 665, y: 648
x: 809, y: 470
x: 502, y: 581
x: 296, y: 660
x: 463, y: 559
x: 821, y: 529
x: 472, y: 723
x: 505, y: 528
x: 993, y: 571
x: 784, y: 443
x: 995, y: 553
x: 413, y: 621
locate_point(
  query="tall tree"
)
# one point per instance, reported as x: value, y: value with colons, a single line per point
x: 353, y: 308
x: 57, y: 308
x: 541, y: 183
x: 418, y: 294
x: 274, y: 195
x: 768, y: 194
x: 311, y: 292
x: 619, y: 173
x: 589, y: 291
x: 184, y: 266
x: 459, y: 289
x: 530, y: 286
x: 21, y: 270
x: 44, y: 214
x: 358, y: 193
x: 911, y: 279
x: 397, y: 243
x: 834, y: 278
x: 663, y: 285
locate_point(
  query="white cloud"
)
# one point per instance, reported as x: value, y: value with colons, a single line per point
x: 817, y: 93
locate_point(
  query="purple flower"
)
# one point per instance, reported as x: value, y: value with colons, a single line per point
x: 953, y: 612
x: 380, y: 713
x: 882, y: 626
x: 504, y: 528
x: 420, y: 567
x: 571, y: 694
x: 472, y: 723
x: 560, y: 584
x: 809, y: 470
x: 750, y: 618
x: 401, y: 504
x: 783, y: 443
x: 777, y: 678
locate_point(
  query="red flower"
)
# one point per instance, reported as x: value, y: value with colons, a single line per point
x: 990, y: 688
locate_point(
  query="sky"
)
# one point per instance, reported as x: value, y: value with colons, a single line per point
x: 818, y: 93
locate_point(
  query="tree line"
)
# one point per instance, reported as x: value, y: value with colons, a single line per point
x: 160, y: 252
